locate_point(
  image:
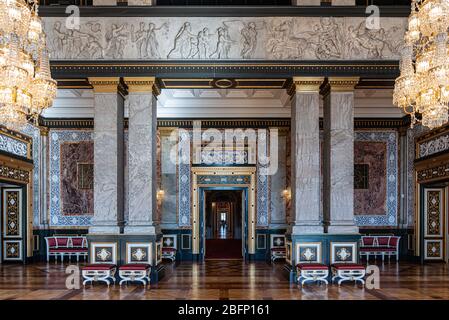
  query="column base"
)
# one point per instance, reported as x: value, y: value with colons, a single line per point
x: 307, y: 229
x: 342, y: 229
x: 104, y: 230
x: 142, y: 229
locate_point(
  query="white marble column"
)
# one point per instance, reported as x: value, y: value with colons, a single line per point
x: 338, y: 153
x: 306, y: 2
x: 305, y: 156
x: 142, y: 156
x: 108, y: 156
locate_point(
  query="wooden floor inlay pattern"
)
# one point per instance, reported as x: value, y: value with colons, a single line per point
x: 225, y: 280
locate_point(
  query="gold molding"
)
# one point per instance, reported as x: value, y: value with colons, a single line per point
x: 104, y: 84
x: 142, y: 84
x: 306, y: 84
x: 229, y: 171
x: 343, y: 84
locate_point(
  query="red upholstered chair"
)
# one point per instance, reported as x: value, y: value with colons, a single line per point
x: 78, y: 247
x: 383, y: 241
x: 393, y: 247
x: 368, y: 246
x: 51, y: 248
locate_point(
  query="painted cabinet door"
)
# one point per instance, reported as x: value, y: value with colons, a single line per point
x: 12, y: 225
x: 434, y: 223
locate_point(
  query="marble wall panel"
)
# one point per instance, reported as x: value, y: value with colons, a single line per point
x: 372, y: 200
x: 57, y: 163
x: 75, y: 199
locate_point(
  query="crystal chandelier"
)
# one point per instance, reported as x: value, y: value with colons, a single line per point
x: 423, y: 85
x: 26, y: 86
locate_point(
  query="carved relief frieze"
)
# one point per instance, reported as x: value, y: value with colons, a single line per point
x: 217, y: 38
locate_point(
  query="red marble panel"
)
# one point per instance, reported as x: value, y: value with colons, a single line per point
x: 74, y: 200
x: 371, y: 201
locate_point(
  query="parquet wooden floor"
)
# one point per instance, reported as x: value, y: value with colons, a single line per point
x: 225, y: 280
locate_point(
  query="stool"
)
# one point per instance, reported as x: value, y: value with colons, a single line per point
x: 135, y: 272
x: 312, y: 272
x: 99, y: 272
x: 348, y: 272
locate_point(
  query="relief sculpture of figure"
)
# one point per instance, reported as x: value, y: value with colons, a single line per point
x: 139, y: 37
x: 202, y: 44
x: 57, y: 39
x: 329, y: 43
x: 283, y: 44
x: 183, y: 43
x: 373, y: 41
x: 152, y: 48
x: 116, y: 40
x: 224, y: 43
x: 249, y: 39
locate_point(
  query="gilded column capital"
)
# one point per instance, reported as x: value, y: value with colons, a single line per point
x: 104, y: 84
x: 306, y: 84
x: 142, y: 84
x: 340, y: 84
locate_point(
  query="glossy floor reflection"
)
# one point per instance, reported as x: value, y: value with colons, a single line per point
x: 226, y: 280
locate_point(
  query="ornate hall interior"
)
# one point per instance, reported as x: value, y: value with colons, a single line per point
x: 224, y: 150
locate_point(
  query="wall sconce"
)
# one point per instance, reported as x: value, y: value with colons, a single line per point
x: 287, y: 194
x: 160, y: 195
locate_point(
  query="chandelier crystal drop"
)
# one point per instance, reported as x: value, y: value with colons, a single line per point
x: 26, y: 86
x: 423, y: 85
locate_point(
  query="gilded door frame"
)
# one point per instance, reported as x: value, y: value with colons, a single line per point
x: 20, y: 172
x: 224, y: 171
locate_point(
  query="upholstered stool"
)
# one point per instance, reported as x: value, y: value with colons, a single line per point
x: 278, y: 253
x: 348, y: 272
x: 135, y: 272
x: 99, y: 272
x: 312, y: 272
x: 169, y: 253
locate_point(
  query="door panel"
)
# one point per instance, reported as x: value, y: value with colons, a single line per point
x: 434, y: 222
x: 12, y: 224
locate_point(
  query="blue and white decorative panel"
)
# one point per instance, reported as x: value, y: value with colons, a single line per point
x: 262, y: 186
x: 390, y: 138
x: 57, y: 137
x: 226, y: 157
x: 184, y: 188
x: 34, y: 132
x: 13, y: 146
x: 432, y: 146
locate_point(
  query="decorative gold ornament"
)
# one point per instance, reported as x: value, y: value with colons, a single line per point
x: 423, y: 85
x: 26, y: 86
